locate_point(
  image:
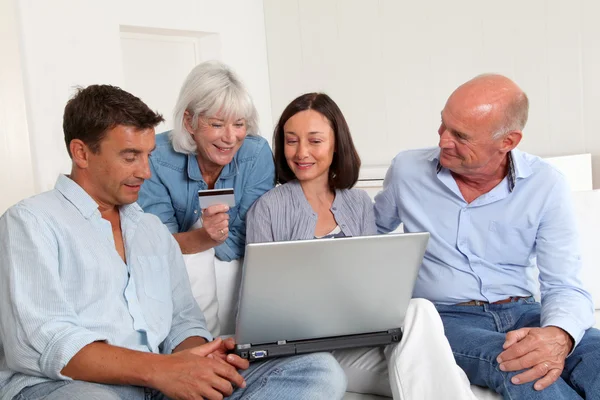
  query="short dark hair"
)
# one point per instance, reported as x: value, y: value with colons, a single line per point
x: 93, y: 111
x: 343, y: 173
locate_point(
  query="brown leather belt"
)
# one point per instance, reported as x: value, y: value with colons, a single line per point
x: 480, y: 303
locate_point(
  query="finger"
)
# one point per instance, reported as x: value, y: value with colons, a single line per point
x: 229, y: 372
x: 237, y: 361
x: 221, y: 385
x: 207, y: 348
x: 536, y: 372
x: 229, y: 343
x: 209, y: 393
x: 513, y: 337
x: 529, y: 360
x: 517, y: 350
x: 216, y: 209
x: 548, y: 380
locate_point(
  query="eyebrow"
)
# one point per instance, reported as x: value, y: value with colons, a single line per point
x: 134, y: 151
x: 454, y: 131
x: 310, y: 133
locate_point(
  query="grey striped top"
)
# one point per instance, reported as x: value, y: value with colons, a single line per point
x: 284, y: 214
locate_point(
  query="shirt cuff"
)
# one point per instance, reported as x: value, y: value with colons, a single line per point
x: 175, y: 339
x: 567, y: 325
x: 60, y: 350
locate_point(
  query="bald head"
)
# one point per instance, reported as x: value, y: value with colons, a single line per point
x: 495, y: 99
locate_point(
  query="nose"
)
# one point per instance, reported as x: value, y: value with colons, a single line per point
x: 445, y: 138
x: 228, y: 137
x: 144, y: 171
x: 302, y: 150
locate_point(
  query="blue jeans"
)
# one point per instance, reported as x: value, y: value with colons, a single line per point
x: 314, y: 376
x: 476, y: 335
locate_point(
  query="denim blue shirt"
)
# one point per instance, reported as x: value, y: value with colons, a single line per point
x: 486, y: 250
x: 63, y: 285
x: 172, y: 192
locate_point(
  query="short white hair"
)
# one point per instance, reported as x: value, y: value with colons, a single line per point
x: 211, y: 88
x: 515, y: 117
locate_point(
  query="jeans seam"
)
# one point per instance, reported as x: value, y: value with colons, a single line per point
x: 263, y: 383
x: 504, y: 375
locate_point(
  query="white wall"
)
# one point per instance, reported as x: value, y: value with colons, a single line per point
x: 391, y: 64
x: 16, y: 174
x: 71, y: 42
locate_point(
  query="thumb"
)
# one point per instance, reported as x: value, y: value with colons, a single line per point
x: 208, y: 348
x: 513, y: 337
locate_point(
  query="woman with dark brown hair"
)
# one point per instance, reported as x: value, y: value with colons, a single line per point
x: 317, y: 166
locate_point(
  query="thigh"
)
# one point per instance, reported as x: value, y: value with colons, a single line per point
x: 76, y: 390
x: 582, y: 367
x: 366, y: 369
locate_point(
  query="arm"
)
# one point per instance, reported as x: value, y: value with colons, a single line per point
x: 567, y: 309
x: 188, y: 322
x: 261, y: 179
x: 386, y: 209
x: 260, y: 228
x: 39, y: 329
x: 369, y: 225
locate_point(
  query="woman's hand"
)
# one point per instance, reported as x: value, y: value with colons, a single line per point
x: 215, y: 221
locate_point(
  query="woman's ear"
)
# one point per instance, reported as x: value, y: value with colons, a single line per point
x: 187, y: 122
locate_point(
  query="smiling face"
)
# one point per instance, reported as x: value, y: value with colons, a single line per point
x: 115, y: 173
x: 217, y: 139
x: 309, y: 145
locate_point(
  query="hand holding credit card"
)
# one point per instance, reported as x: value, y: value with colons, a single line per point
x: 211, y: 197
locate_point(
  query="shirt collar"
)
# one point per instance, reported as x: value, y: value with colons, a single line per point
x: 517, y: 167
x: 194, y: 173
x: 77, y: 196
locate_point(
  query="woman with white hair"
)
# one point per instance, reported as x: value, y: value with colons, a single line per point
x: 214, y: 145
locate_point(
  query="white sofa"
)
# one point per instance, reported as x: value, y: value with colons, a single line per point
x: 587, y: 206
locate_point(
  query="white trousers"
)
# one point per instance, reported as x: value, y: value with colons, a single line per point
x: 421, y: 366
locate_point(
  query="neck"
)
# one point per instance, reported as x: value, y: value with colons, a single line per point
x: 317, y: 190
x: 209, y: 170
x: 107, y: 210
x: 486, y: 178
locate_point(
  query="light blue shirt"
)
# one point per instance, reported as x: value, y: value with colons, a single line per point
x: 486, y: 250
x: 63, y: 285
x: 172, y: 191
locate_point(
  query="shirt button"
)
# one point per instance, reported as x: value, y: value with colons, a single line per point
x: 333, y: 208
x: 195, y: 211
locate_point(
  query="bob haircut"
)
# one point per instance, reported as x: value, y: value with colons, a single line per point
x: 211, y: 88
x: 345, y: 166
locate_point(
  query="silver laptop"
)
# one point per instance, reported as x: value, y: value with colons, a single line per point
x: 326, y: 294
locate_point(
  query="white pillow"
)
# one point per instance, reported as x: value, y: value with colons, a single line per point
x: 587, y: 211
x: 201, y: 270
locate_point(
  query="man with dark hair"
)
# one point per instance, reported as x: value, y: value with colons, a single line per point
x: 95, y: 301
x: 494, y: 214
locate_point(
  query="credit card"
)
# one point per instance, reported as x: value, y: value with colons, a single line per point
x: 210, y: 197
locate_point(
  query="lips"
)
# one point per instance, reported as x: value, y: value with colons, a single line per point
x: 303, y: 166
x: 223, y: 149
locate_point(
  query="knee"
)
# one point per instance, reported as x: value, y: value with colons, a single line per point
x: 329, y: 379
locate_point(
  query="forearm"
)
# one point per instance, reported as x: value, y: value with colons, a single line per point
x: 103, y: 363
x: 195, y: 241
x: 189, y: 343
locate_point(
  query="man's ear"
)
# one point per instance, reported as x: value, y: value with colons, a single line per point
x: 80, y: 153
x: 511, y: 140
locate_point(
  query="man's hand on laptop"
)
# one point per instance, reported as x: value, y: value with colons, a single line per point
x: 198, y: 373
x: 224, y: 353
x: 540, y: 351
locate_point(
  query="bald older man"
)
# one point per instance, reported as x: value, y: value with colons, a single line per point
x: 495, y: 213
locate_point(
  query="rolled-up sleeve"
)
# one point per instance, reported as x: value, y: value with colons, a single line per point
x: 188, y: 319
x: 386, y: 208
x: 260, y: 179
x: 565, y: 303
x: 40, y: 331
